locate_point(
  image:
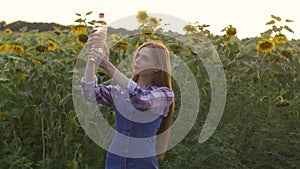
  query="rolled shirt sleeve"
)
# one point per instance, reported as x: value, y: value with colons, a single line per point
x: 88, y: 89
x: 153, y: 99
x: 99, y: 93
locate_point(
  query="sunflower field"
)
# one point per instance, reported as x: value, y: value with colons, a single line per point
x: 260, y: 126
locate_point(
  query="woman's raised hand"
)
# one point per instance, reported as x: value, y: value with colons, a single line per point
x: 96, y: 56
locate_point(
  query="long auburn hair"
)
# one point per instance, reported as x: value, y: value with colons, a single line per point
x: 162, y: 78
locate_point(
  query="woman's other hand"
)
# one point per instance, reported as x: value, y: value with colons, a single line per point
x: 97, y: 56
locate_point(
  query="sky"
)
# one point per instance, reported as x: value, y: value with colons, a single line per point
x: 248, y: 17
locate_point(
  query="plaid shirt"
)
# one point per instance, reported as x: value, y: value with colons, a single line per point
x: 153, y: 99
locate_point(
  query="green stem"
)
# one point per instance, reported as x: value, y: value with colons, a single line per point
x: 259, y: 74
x: 43, y: 137
x: 292, y: 81
x: 119, y: 56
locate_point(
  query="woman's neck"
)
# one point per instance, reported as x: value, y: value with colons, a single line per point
x: 145, y: 81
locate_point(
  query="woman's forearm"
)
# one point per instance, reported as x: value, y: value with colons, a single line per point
x: 119, y: 77
x: 89, y: 71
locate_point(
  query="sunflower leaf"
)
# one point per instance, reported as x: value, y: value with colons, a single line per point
x: 3, y: 80
x: 266, y: 33
x: 91, y: 22
x: 288, y: 20
x: 78, y: 20
x: 270, y: 22
x: 276, y: 29
x: 207, y: 32
x: 276, y: 17
x: 288, y: 29
x: 88, y: 13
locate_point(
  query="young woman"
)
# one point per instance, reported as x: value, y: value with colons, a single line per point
x: 144, y: 105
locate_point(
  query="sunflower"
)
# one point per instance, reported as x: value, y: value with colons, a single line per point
x: 37, y: 62
x: 175, y: 48
x: 280, y: 39
x: 265, y: 45
x: 4, y: 48
x: 79, y: 29
x: 190, y: 29
x: 74, y: 51
x: 114, y: 37
x: 57, y: 32
x: 17, y: 49
x: 153, y: 21
x: 71, y: 43
x: 147, y: 32
x: 274, y: 59
x: 52, y: 45
x: 281, y: 102
x: 41, y: 48
x: 28, y: 53
x: 82, y: 39
x: 121, y: 46
x: 21, y: 74
x: 2, y: 116
x: 287, y: 55
x: 8, y: 31
x: 230, y: 31
x: 142, y: 17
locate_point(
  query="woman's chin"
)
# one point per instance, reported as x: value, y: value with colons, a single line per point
x: 135, y: 73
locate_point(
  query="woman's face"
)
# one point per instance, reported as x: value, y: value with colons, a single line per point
x: 146, y: 61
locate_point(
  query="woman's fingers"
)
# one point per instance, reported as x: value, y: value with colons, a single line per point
x: 95, y: 56
x: 94, y: 60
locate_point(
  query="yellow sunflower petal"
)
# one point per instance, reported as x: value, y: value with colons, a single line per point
x: 52, y: 45
x: 142, y: 17
x: 265, y: 46
x: 280, y: 39
x: 8, y: 31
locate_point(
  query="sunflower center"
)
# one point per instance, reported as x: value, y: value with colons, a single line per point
x: 231, y: 31
x: 266, y: 45
x: 83, y: 38
x: 190, y: 28
x: 143, y: 16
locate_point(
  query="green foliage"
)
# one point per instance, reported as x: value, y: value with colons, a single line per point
x: 259, y: 128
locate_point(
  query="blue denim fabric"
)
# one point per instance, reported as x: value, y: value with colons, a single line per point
x: 133, y: 146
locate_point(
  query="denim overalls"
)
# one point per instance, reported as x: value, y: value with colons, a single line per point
x: 133, y: 146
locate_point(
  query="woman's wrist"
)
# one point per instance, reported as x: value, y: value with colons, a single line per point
x: 89, y: 71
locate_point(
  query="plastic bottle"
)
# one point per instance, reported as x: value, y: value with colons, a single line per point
x: 100, y: 27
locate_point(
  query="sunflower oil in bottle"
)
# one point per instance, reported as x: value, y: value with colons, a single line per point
x: 100, y: 28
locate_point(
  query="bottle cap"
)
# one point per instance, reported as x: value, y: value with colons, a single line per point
x: 101, y: 15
